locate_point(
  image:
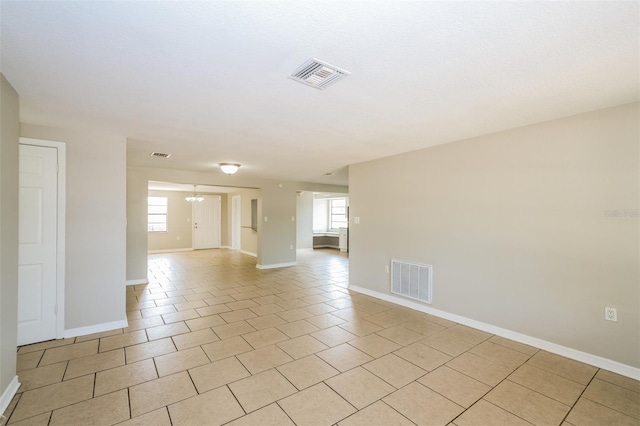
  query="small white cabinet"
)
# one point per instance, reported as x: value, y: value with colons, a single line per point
x: 343, y: 241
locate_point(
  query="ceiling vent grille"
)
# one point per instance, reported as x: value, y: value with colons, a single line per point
x: 318, y: 74
x: 160, y: 155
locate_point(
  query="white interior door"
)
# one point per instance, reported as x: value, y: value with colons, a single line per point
x: 236, y: 218
x: 37, y: 254
x: 206, y: 223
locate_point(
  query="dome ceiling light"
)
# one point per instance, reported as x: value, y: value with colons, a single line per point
x: 229, y: 168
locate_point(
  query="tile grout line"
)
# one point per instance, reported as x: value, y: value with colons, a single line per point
x: 237, y: 400
x: 596, y: 402
x: 497, y: 406
x: 129, y: 402
x: 490, y: 390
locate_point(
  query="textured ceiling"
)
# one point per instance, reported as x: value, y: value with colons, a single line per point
x: 207, y: 81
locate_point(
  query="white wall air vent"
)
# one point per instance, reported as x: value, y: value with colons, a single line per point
x: 318, y: 74
x: 160, y: 155
x: 412, y: 280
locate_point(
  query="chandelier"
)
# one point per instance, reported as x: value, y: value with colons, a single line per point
x: 195, y: 197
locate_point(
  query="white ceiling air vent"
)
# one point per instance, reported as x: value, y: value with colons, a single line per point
x: 318, y: 74
x: 160, y: 155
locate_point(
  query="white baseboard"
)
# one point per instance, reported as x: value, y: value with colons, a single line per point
x: 98, y: 328
x: 8, y: 394
x: 326, y: 246
x: 169, y: 250
x: 226, y: 247
x: 587, y: 358
x: 276, y: 265
x: 249, y: 253
x: 136, y: 282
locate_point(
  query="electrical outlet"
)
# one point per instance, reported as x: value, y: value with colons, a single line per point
x: 386, y: 268
x: 610, y: 314
x: 290, y: 246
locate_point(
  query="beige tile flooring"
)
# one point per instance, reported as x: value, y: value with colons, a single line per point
x: 213, y: 340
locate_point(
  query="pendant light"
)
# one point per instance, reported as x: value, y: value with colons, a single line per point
x: 195, y: 197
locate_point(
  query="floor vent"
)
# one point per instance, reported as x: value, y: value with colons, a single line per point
x: 412, y: 280
x: 318, y: 74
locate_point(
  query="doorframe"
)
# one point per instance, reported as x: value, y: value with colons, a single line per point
x: 236, y: 222
x: 61, y: 149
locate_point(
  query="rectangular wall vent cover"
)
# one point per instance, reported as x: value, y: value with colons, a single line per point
x: 318, y: 74
x: 412, y: 280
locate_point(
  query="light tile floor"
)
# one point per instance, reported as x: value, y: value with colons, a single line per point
x: 213, y: 340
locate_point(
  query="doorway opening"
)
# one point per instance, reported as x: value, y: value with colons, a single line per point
x: 323, y: 222
x: 221, y: 219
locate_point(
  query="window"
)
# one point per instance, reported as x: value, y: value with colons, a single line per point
x: 338, y: 213
x: 157, y: 214
x: 330, y: 213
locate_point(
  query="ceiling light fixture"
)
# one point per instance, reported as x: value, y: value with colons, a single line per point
x: 229, y: 168
x: 195, y: 197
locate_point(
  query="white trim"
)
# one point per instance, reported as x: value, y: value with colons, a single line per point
x: 276, y: 265
x: 98, y: 328
x: 61, y: 148
x: 587, y: 358
x: 8, y: 394
x: 136, y: 282
x: 225, y: 247
x: 249, y: 253
x: 326, y: 246
x: 169, y: 250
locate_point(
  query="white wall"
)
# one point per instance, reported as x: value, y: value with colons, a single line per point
x: 96, y: 196
x: 248, y: 237
x: 320, y: 215
x: 9, y: 135
x: 516, y: 227
x: 304, y: 220
x: 225, y: 220
x: 137, y: 235
x: 277, y: 234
